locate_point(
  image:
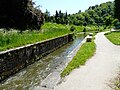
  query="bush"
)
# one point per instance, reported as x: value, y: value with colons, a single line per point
x: 84, y: 30
x: 72, y: 28
x: 86, y: 51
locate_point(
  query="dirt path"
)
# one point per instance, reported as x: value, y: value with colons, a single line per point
x: 97, y: 71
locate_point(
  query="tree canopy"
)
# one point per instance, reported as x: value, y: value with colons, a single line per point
x: 102, y: 14
x: 117, y: 9
x: 20, y: 14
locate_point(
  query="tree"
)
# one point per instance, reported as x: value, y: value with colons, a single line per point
x: 108, y: 20
x: 47, y: 16
x: 56, y: 16
x: 93, y: 15
x: 61, y: 17
x: 20, y: 14
x: 66, y: 18
x: 72, y: 28
x: 117, y: 9
x: 116, y: 22
x: 91, y: 12
x: 84, y: 30
x: 79, y: 11
x: 85, y: 24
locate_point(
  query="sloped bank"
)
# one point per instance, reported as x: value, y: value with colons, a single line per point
x: 12, y: 61
x: 86, y: 51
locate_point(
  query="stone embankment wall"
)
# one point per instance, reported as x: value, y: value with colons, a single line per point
x: 12, y: 61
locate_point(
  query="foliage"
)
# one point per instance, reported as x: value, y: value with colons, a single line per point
x: 20, y: 14
x: 86, y: 51
x: 95, y: 15
x: 47, y: 15
x: 117, y: 9
x: 114, y: 37
x: 108, y: 20
x: 12, y: 39
x: 84, y: 30
x: 72, y: 28
x: 116, y: 23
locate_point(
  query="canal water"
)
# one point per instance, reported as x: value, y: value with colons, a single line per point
x: 33, y: 75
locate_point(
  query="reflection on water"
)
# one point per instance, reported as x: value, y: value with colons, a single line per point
x: 35, y: 73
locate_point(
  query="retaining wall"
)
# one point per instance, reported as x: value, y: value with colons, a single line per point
x: 12, y: 61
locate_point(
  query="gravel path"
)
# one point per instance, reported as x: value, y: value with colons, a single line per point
x: 98, y: 71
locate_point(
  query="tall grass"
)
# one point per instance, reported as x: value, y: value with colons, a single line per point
x: 12, y: 39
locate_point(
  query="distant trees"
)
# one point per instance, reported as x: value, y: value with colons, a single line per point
x: 108, y: 20
x: 56, y: 17
x: 47, y: 16
x: 59, y: 17
x: 102, y: 14
x: 72, y: 28
x: 117, y: 9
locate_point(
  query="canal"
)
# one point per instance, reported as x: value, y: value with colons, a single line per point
x: 33, y: 75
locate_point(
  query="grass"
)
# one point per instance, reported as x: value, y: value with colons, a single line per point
x: 85, y: 52
x: 114, y: 37
x: 12, y: 39
x: 91, y: 28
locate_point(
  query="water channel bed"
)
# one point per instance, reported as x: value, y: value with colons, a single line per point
x: 36, y: 74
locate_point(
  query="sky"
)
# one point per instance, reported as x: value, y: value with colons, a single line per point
x: 71, y: 6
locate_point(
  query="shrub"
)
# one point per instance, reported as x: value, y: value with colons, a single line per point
x: 84, y: 30
x: 72, y: 28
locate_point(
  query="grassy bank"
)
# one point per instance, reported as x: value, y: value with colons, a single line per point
x: 114, y: 37
x: 86, y: 51
x: 12, y: 39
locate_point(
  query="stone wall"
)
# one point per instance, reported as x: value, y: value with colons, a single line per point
x: 12, y: 61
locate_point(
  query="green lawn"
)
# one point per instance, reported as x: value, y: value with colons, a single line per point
x: 114, y: 37
x: 12, y: 39
x: 85, y: 52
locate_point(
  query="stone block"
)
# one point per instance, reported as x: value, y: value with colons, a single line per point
x: 89, y: 39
